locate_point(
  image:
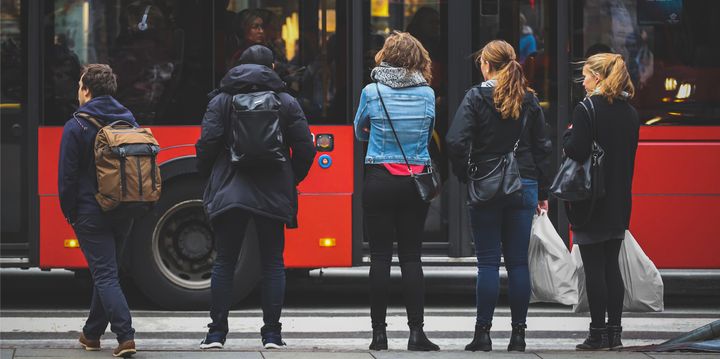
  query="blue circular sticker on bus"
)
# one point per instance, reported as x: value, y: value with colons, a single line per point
x: 325, y: 161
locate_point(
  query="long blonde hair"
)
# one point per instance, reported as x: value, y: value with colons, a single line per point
x: 613, y: 76
x: 511, y: 82
x: 403, y: 50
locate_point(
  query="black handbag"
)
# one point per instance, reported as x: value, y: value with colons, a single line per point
x: 502, y: 180
x: 576, y: 181
x: 427, y: 183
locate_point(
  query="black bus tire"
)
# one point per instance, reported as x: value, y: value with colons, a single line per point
x: 172, y: 251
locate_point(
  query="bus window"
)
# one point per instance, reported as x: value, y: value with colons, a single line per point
x: 158, y: 49
x: 671, y: 50
x: 309, y: 43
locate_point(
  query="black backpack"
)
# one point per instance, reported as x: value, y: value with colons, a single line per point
x: 256, y: 130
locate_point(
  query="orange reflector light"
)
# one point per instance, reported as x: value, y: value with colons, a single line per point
x: 72, y: 243
x: 327, y: 242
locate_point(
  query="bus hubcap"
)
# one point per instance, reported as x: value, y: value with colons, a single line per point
x: 183, y: 245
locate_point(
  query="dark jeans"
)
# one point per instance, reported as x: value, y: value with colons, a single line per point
x: 504, y: 227
x: 604, y: 283
x: 394, y: 212
x: 99, y: 235
x: 229, y: 229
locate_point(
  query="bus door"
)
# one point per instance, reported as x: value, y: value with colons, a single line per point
x: 15, y: 134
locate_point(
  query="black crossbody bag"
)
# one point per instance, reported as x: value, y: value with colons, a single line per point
x: 582, y: 181
x: 427, y: 183
x: 499, y: 182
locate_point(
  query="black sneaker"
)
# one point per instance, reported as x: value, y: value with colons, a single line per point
x: 273, y: 341
x: 213, y: 340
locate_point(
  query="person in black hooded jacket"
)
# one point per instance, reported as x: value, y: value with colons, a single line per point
x: 266, y: 194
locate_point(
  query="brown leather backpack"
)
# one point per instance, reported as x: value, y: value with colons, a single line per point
x: 125, y: 161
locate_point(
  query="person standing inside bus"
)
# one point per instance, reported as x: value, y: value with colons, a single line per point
x: 617, y: 126
x: 392, y: 206
x: 265, y: 192
x: 489, y: 124
x: 97, y: 231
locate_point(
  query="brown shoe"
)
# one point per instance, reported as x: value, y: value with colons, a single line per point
x: 89, y: 344
x: 126, y: 349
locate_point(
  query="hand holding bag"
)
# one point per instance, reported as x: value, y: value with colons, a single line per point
x: 502, y: 180
x: 552, y: 271
x: 427, y: 183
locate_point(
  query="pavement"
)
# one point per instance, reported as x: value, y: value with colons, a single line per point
x: 287, y: 354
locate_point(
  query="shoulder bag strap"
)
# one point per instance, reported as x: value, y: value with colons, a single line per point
x: 90, y: 119
x: 593, y: 131
x: 393, y: 128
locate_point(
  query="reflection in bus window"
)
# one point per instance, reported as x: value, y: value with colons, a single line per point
x: 309, y: 47
x: 11, y: 51
x: 672, y: 53
x: 157, y: 49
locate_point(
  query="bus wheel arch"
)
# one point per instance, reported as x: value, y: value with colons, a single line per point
x: 173, y: 249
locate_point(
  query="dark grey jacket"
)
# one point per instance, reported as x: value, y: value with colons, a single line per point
x: 266, y: 191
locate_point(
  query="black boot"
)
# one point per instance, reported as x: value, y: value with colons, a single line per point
x: 481, y: 341
x: 614, y: 336
x: 517, y: 338
x: 379, y: 340
x: 597, y: 340
x: 418, y: 341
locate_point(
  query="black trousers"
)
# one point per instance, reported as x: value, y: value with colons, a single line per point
x: 394, y: 212
x: 605, y: 288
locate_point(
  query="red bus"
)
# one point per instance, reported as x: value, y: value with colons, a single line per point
x: 169, y: 54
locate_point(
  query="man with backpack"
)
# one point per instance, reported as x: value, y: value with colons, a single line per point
x: 97, y: 223
x: 248, y: 131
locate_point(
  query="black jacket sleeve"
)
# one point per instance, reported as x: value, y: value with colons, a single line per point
x: 577, y: 140
x: 68, y: 170
x: 541, y: 149
x: 299, y: 139
x: 465, y: 124
x: 212, y: 136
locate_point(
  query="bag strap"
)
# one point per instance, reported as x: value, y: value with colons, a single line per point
x: 593, y: 130
x: 523, y: 121
x: 377, y: 87
x: 90, y: 119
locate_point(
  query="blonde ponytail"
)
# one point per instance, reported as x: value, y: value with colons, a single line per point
x: 614, y: 78
x: 511, y: 82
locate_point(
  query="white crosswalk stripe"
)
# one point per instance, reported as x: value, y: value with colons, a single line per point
x: 334, y: 329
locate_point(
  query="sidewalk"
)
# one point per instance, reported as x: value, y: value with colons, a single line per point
x: 226, y: 354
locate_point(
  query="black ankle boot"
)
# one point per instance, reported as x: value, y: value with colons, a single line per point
x: 481, y: 341
x: 379, y: 340
x: 418, y: 341
x: 517, y: 338
x: 597, y: 340
x: 614, y: 336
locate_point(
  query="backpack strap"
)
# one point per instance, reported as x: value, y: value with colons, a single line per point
x: 90, y: 119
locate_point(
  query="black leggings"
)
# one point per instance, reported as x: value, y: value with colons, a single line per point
x: 603, y: 281
x: 394, y: 212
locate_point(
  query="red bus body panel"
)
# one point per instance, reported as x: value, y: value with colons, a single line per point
x: 324, y: 203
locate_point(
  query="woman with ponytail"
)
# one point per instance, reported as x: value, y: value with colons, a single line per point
x: 600, y: 228
x: 493, y: 117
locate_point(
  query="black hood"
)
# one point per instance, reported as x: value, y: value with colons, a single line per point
x: 249, y: 78
x: 107, y: 109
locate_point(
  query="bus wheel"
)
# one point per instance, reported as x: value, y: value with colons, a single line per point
x: 173, y: 251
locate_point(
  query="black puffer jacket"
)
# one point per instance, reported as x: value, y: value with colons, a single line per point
x: 266, y: 191
x: 477, y: 122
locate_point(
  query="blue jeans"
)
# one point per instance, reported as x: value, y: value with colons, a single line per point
x: 504, y: 227
x: 98, y: 235
x: 229, y: 229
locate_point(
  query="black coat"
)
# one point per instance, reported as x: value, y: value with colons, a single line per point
x: 266, y: 191
x: 618, y: 129
x: 478, y: 122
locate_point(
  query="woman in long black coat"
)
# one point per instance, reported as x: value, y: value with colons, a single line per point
x: 600, y: 228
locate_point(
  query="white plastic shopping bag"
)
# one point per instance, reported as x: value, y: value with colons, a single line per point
x: 552, y: 270
x: 643, y: 285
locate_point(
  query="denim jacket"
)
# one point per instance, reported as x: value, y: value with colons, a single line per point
x: 412, y: 110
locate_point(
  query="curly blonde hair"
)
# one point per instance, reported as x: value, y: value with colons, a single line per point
x: 403, y: 50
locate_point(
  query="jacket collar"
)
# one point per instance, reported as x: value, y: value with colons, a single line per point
x: 397, y: 77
